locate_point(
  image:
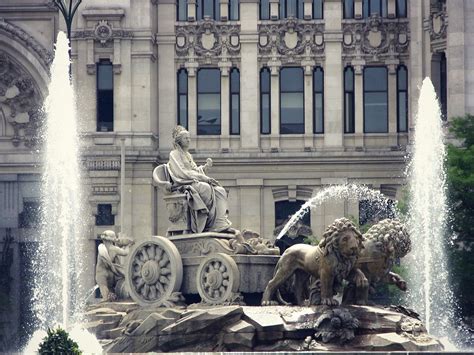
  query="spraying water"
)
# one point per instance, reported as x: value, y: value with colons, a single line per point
x: 350, y: 191
x: 57, y: 291
x: 430, y: 293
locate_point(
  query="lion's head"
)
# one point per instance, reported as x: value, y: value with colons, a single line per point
x: 390, y: 236
x: 342, y: 237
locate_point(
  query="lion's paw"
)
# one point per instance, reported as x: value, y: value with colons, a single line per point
x: 329, y: 302
x: 270, y: 303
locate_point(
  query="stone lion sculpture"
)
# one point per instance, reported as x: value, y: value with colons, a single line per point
x: 331, y: 261
x: 384, y: 242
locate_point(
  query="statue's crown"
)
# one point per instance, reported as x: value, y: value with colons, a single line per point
x: 177, y: 130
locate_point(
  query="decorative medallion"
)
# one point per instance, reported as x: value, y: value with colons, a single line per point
x: 103, y: 32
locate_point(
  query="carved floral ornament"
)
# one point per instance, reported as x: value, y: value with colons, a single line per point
x: 103, y: 32
x: 291, y: 40
x: 376, y: 39
x: 20, y: 103
x: 208, y: 40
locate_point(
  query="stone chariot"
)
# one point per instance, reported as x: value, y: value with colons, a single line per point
x: 222, y: 267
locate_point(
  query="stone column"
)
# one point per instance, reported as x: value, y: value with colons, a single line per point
x: 192, y: 10
x: 274, y: 14
x: 275, y: 108
x: 250, y: 203
x: 192, y: 106
x: 224, y: 7
x: 333, y: 103
x: 308, y: 108
x: 358, y: 9
x: 308, y: 9
x: 391, y: 9
x: 225, y: 97
x: 359, y: 106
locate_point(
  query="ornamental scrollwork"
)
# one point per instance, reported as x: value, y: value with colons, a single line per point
x: 438, y: 25
x: 376, y: 39
x: 207, y: 40
x: 291, y: 40
x: 20, y: 102
x: 103, y: 32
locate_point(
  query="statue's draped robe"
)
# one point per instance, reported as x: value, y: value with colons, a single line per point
x: 207, y: 203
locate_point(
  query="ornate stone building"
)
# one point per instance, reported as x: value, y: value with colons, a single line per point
x: 286, y: 96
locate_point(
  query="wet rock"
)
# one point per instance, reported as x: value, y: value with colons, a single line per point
x: 123, y: 306
x: 239, y: 336
x: 140, y: 344
x: 156, y: 322
x: 113, y: 333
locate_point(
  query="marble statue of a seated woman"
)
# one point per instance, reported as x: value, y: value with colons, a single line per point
x: 207, y: 200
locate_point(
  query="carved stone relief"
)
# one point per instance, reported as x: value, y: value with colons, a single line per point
x: 438, y: 25
x: 103, y: 32
x: 207, y: 41
x: 20, y: 102
x: 290, y: 40
x: 375, y: 40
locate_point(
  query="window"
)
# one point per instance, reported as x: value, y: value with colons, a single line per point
x: 401, y: 8
x: 317, y: 9
x: 104, y: 215
x: 182, y: 10
x: 234, y: 101
x: 30, y: 217
x: 348, y: 8
x: 285, y: 209
x: 318, y: 100
x: 264, y: 9
x: 443, y: 92
x: 291, y: 8
x: 233, y: 10
x: 375, y: 100
x: 209, y: 102
x: 370, y: 7
x: 265, y: 101
x: 105, y: 96
x: 349, y: 103
x: 291, y: 101
x: 183, y: 98
x: 402, y: 99
x: 208, y: 8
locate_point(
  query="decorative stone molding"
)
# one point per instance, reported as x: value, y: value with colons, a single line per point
x: 28, y: 41
x: 104, y: 190
x: 290, y: 40
x: 208, y: 41
x: 378, y: 39
x: 20, y: 102
x: 438, y: 25
x: 103, y: 164
x: 103, y: 32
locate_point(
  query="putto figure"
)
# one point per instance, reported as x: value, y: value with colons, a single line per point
x: 207, y: 200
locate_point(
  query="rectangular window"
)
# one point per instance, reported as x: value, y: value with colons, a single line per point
x: 318, y: 100
x: 317, y: 9
x: 182, y: 10
x: 104, y: 215
x: 234, y: 101
x: 208, y: 8
x: 105, y: 96
x: 183, y: 98
x: 291, y: 101
x: 402, y: 99
x: 233, y: 10
x: 375, y: 100
x: 348, y: 9
x: 301, y: 9
x: 401, y: 8
x: 209, y: 102
x: 349, y: 103
x: 264, y: 9
x: 265, y: 101
x: 370, y: 7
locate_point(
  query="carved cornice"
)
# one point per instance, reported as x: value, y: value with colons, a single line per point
x: 290, y: 40
x: 28, y: 41
x: 103, y: 164
x: 103, y: 32
x: 375, y: 40
x: 207, y: 41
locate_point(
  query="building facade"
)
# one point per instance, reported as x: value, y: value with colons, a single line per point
x: 286, y: 96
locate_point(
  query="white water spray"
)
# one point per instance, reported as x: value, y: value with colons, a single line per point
x: 429, y: 292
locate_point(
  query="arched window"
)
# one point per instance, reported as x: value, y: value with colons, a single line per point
x: 105, y: 96
x: 183, y: 98
x: 318, y: 100
x: 264, y: 9
x: 265, y: 101
x: 401, y: 8
x: 370, y: 7
x: 209, y: 101
x: 348, y: 6
x: 234, y: 101
x: 291, y: 101
x: 375, y: 100
x: 182, y: 10
x: 317, y: 9
x: 402, y: 99
x: 234, y: 11
x: 349, y: 103
x: 208, y: 8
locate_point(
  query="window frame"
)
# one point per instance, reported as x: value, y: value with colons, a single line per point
x: 352, y: 103
x: 315, y: 92
x: 280, y: 94
x: 269, y: 93
x: 364, y: 94
x: 399, y: 90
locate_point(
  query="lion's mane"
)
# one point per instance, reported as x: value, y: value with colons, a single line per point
x: 330, y: 241
x: 390, y: 230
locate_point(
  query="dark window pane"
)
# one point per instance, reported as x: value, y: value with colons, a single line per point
x: 105, y: 77
x: 235, y: 112
x: 285, y: 209
x: 301, y: 9
x: 291, y: 8
x: 208, y: 9
x: 402, y: 111
x: 282, y: 8
x: 217, y: 10
x: 402, y: 78
x: 234, y: 81
x: 401, y: 8
x: 384, y: 8
x: 209, y: 114
x: 199, y: 9
x: 265, y: 80
x: 292, y: 113
x: 375, y: 112
x: 318, y: 113
x: 317, y: 9
x: 182, y: 81
x: 291, y: 79
x: 349, y: 124
x: 349, y: 79
x: 365, y: 8
x: 105, y: 97
x: 375, y: 78
x: 264, y: 9
x: 209, y: 80
x: 233, y: 10
x: 182, y: 10
x: 265, y: 108
x: 443, y: 86
x: 318, y: 81
x: 183, y: 111
x: 375, y: 7
x: 348, y: 8
x: 104, y: 215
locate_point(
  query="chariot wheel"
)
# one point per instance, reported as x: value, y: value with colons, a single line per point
x: 155, y: 271
x: 218, y: 278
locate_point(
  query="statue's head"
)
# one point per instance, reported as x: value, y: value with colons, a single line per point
x: 181, y: 137
x: 343, y: 237
x: 108, y: 236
